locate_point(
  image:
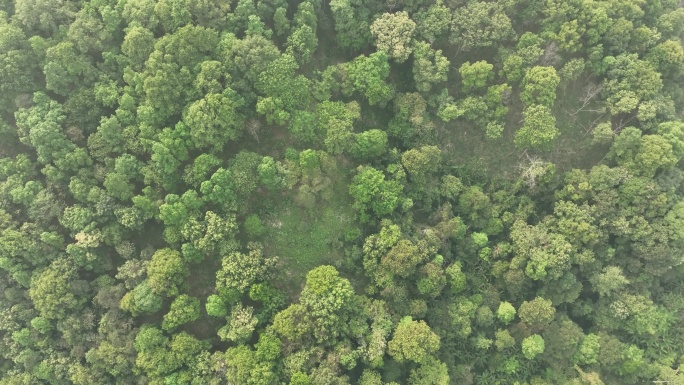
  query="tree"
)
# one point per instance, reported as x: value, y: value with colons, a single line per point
x: 215, y: 306
x: 402, y: 258
x: 279, y: 81
x: 539, y: 129
x: 532, y: 346
x: 367, y: 74
x: 337, y: 120
x: 183, y: 309
x: 166, y: 272
x: 421, y: 163
x: 89, y: 32
x: 413, y: 341
x: 239, y: 271
x: 302, y: 43
x: 244, y: 366
x: 241, y: 324
x: 610, y: 280
x: 655, y: 153
x: 628, y: 82
x: 352, y: 22
x: 475, y: 76
x: 214, y: 120
x: 18, y: 63
x: 172, y: 15
x: 431, y: 372
x: 329, y: 300
x: 43, y: 16
x: 667, y: 57
x: 505, y: 313
x: 370, y: 144
x: 246, y: 60
x: 504, y: 340
x: 141, y: 300
x: 219, y: 190
x: 52, y: 290
x: 456, y: 278
x: 539, y: 86
x: 254, y: 227
x: 480, y: 24
x: 433, y: 21
x: 67, y: 69
x: 138, y: 44
x: 371, y: 191
x: 40, y: 127
x: 243, y: 168
x: 588, y: 352
x: 563, y: 338
x: 537, y: 313
x: 429, y: 67
x: 393, y: 33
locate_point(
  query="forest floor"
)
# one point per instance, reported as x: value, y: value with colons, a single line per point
x: 465, y: 145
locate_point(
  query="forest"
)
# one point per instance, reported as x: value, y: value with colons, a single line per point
x: 373, y: 192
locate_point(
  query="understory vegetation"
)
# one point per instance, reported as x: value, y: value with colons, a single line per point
x: 397, y: 192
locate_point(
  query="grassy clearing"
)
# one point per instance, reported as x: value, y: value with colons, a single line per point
x: 305, y: 239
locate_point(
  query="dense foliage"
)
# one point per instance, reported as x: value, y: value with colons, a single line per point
x: 416, y: 192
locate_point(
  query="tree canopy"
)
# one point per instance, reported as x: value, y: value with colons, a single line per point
x: 395, y: 192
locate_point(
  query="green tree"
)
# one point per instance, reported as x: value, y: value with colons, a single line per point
x: 372, y: 192
x: 588, y: 352
x: 402, y: 258
x: 610, y: 280
x: 52, y: 290
x: 413, y: 341
x: 421, y: 163
x: 215, y: 306
x: 302, y: 43
x: 352, y: 23
x: 504, y: 340
x: 184, y: 309
x: 537, y: 313
x: 431, y: 372
x: 433, y: 21
x: 532, y: 346
x: 279, y: 81
x: 429, y: 67
x: 329, y: 300
x: 539, y: 128
x: 505, y: 313
x: 480, y: 24
x: 241, y: 324
x: 367, y: 74
x: 166, y: 272
x: 475, y: 76
x: 42, y: 17
x: 141, y: 300
x: 539, y: 86
x: 628, y: 82
x: 667, y: 57
x: 239, y: 271
x: 370, y: 144
x: 18, y: 63
x: 254, y: 227
x: 393, y: 33
x: 214, y: 120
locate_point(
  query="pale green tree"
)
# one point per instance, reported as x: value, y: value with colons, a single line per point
x: 393, y: 33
